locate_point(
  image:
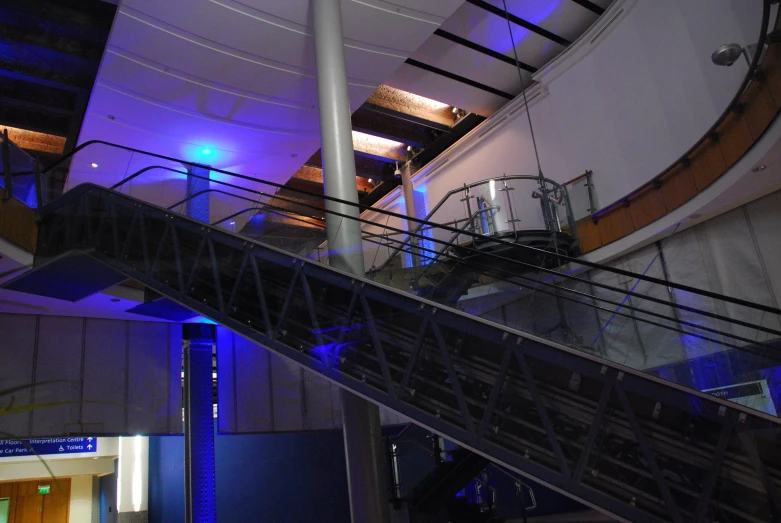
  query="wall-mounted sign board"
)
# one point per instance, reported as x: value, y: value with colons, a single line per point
x: 47, y: 446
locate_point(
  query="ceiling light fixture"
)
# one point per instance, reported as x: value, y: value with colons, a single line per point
x: 207, y: 152
x: 759, y: 168
x: 94, y: 165
x: 728, y: 54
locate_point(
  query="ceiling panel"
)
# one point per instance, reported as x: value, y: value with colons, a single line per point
x: 564, y: 18
x: 232, y: 68
x: 489, y: 30
x: 474, y: 41
x: 375, y: 22
x: 423, y: 83
x: 119, y: 118
x: 241, y: 28
x: 471, y: 64
x: 441, y: 8
x: 194, y: 95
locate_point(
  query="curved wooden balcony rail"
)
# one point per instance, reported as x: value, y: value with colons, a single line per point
x: 752, y: 110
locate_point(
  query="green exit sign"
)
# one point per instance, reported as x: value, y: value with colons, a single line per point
x: 44, y: 489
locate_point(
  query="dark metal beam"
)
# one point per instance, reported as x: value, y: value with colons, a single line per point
x: 37, y: 94
x: 41, y: 31
x: 439, y: 145
x: 374, y: 157
x: 8, y: 75
x: 34, y: 120
x: 365, y: 165
x: 484, y: 50
x: 517, y: 20
x: 399, y: 115
x: 385, y: 126
x: 380, y: 191
x: 48, y: 76
x: 89, y: 19
x: 591, y: 6
x: 458, y: 78
x: 35, y: 107
x: 24, y: 55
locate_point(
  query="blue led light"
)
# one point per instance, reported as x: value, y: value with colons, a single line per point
x: 206, y: 152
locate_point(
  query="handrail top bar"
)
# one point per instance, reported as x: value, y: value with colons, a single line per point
x: 579, y: 177
x: 422, y: 222
x: 505, y: 177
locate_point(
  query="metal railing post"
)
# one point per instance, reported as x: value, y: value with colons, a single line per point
x: 38, y: 185
x: 7, y: 166
x: 468, y: 196
x: 592, y: 197
x: 506, y: 190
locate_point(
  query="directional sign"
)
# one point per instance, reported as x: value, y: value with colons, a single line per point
x: 11, y: 448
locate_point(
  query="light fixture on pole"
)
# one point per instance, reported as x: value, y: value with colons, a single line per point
x: 728, y: 54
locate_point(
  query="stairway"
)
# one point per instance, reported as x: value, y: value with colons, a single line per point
x: 445, y: 481
x: 632, y: 445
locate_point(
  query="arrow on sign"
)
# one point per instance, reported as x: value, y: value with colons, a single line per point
x: 89, y: 439
x: 89, y: 447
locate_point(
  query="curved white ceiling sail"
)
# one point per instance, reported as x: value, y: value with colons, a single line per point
x: 542, y: 29
x: 236, y: 79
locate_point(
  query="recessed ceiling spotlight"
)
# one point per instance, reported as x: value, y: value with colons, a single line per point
x: 294, y: 155
x: 409, y: 148
x: 455, y: 110
x: 94, y: 165
x: 207, y: 152
x: 759, y: 168
x: 112, y: 117
x: 115, y: 300
x: 371, y: 180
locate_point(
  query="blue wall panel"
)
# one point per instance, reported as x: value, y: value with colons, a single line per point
x: 108, y: 497
x: 260, y: 478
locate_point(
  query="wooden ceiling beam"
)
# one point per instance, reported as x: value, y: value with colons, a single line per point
x: 418, y: 107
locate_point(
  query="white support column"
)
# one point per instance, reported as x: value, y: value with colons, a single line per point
x: 344, y: 234
x: 361, y: 419
x: 409, y: 205
x: 132, y: 479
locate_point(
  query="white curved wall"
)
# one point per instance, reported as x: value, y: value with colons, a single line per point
x: 625, y: 102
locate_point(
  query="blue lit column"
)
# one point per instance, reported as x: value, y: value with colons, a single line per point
x: 360, y: 419
x: 198, y: 207
x: 200, y: 498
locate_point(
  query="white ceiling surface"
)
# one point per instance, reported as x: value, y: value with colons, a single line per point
x: 235, y: 77
x: 564, y: 18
